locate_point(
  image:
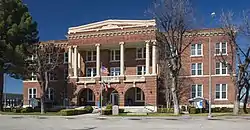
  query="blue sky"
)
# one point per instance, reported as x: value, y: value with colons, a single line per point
x: 55, y: 16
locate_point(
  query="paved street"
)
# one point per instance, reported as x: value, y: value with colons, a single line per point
x: 135, y: 123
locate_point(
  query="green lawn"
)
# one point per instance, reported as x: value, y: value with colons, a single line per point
x: 32, y: 113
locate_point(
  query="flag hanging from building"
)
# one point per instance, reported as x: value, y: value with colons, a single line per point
x: 104, y: 70
x: 105, y: 86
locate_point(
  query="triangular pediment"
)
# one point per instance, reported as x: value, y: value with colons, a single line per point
x: 111, y: 24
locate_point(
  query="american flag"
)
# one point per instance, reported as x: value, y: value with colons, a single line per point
x: 104, y: 70
x: 105, y: 86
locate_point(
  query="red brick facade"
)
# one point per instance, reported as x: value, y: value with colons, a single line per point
x: 134, y: 38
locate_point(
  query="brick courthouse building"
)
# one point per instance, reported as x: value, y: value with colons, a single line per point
x: 127, y: 49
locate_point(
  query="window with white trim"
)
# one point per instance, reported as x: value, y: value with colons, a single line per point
x: 141, y: 53
x: 50, y: 94
x: 196, y: 69
x: 139, y: 95
x: 115, y: 55
x: 197, y: 91
x: 33, y: 77
x: 90, y: 95
x: 65, y: 57
x: 220, y: 68
x: 196, y: 49
x: 52, y: 76
x: 32, y: 93
x: 90, y: 71
x: 115, y: 71
x: 221, y: 91
x: 141, y: 70
x: 221, y: 48
x: 91, y: 56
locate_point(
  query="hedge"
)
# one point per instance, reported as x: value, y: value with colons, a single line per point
x: 71, y: 112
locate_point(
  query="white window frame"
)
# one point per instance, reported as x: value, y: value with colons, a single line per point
x: 50, y: 93
x: 142, y: 95
x: 143, y: 69
x: 33, y: 95
x: 196, y: 69
x: 196, y: 90
x: 92, y: 56
x: 143, y: 49
x: 220, y: 91
x: 113, y: 55
x: 65, y: 57
x: 93, y: 95
x: 221, y: 68
x: 114, y: 70
x: 220, y: 48
x: 91, y: 73
x: 196, y: 49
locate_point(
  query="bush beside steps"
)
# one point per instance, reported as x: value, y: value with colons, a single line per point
x: 71, y: 112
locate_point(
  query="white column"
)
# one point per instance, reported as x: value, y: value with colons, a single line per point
x: 79, y: 63
x: 147, y: 58
x: 154, y: 57
x: 121, y: 58
x: 70, y: 60
x: 75, y: 61
x: 98, y: 66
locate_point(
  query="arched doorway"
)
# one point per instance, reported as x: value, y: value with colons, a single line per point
x: 86, y: 97
x: 111, y: 96
x: 134, y: 97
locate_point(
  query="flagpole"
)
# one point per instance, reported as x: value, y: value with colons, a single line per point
x: 101, y: 86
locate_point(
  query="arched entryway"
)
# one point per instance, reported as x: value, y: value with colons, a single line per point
x: 134, y: 97
x: 86, y: 97
x: 110, y: 96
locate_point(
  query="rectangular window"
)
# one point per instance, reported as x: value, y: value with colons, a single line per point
x: 196, y: 49
x: 65, y: 57
x: 141, y: 70
x: 196, y: 69
x: 115, y: 55
x: 221, y: 91
x: 141, y: 53
x: 90, y: 72
x: 197, y: 91
x: 32, y: 93
x: 33, y: 77
x: 91, y: 56
x: 50, y: 58
x: 139, y: 95
x: 115, y: 71
x: 221, y: 48
x: 220, y: 68
x: 50, y: 94
x: 90, y: 96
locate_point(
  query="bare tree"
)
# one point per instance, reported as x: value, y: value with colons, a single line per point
x: 47, y: 58
x: 173, y: 18
x: 232, y: 29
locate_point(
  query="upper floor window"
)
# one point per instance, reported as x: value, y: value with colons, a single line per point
x: 65, y: 57
x: 141, y: 53
x: 221, y: 48
x: 115, y: 55
x: 196, y: 49
x: 197, y: 91
x: 115, y: 71
x: 32, y: 93
x: 50, y: 58
x: 52, y: 76
x: 33, y: 77
x: 50, y: 94
x: 90, y: 72
x: 141, y: 70
x: 220, y: 68
x: 91, y: 56
x: 196, y: 69
x: 221, y: 91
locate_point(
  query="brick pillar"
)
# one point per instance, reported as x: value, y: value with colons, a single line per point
x: 151, y: 90
x: 121, y: 98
